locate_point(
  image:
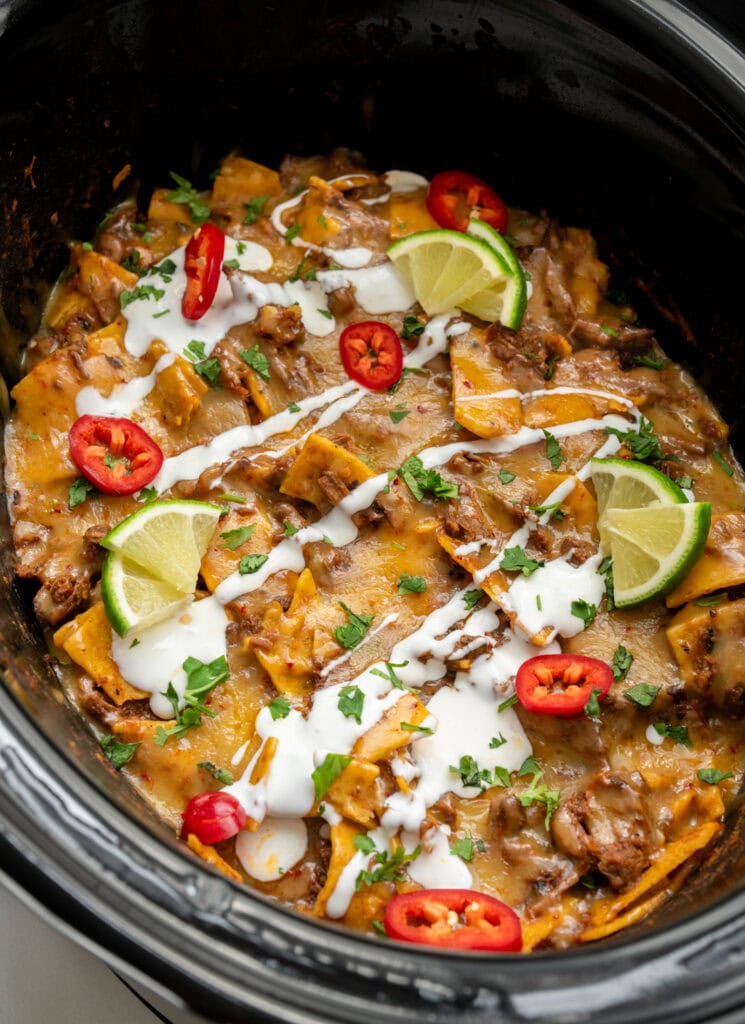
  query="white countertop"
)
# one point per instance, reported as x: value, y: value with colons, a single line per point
x: 46, y: 977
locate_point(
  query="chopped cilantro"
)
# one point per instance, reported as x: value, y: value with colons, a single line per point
x: 471, y: 776
x: 147, y: 494
x: 464, y: 848
x: 411, y: 584
x: 363, y: 843
x: 712, y: 776
x: 510, y: 702
x: 220, y: 774
x: 643, y: 694
x: 686, y: 482
x: 234, y: 538
x: 611, y: 332
x: 201, y: 679
x: 556, y: 510
x: 279, y: 708
x: 649, y: 361
x: 419, y: 480
x: 389, y: 675
x: 592, y: 706
x: 606, y: 569
x: 506, y: 476
x: 289, y: 529
x: 254, y: 209
x: 351, y: 702
x: 471, y: 598
x: 389, y: 867
x: 256, y: 360
x: 515, y: 560
x: 293, y: 407
x: 328, y: 772
x: 585, y: 611
x: 550, y: 367
x: 140, y: 293
x: 643, y: 443
x: 231, y: 264
x: 79, y: 491
x: 355, y: 628
x: 325, y: 312
x: 131, y: 262
x: 553, y: 451
x: 540, y: 793
x: 496, y: 742
x: 709, y: 600
x: 166, y: 270
x: 292, y: 232
x: 117, y: 752
x: 677, y: 733
x: 622, y: 661
x: 251, y: 563
x: 235, y: 498
x: 410, y: 727
x: 207, y: 367
x: 399, y: 413
x: 528, y: 767
x: 412, y: 327
x: 379, y: 929
x: 187, y: 195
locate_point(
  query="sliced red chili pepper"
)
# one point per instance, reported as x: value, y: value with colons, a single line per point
x: 371, y: 353
x: 213, y: 817
x: 114, y: 454
x: 561, y: 684
x: 202, y: 265
x: 456, y: 196
x: 455, y: 918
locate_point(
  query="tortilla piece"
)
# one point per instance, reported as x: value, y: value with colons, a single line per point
x: 722, y: 562
x: 478, y: 377
x: 317, y: 457
x: 211, y: 856
x: 87, y: 640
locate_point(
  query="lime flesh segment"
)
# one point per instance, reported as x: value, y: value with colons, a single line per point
x: 654, y: 548
x: 133, y: 598
x: 167, y: 539
x: 514, y: 299
x: 621, y: 483
x: 447, y: 268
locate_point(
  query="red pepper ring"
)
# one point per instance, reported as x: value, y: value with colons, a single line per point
x: 454, y: 197
x: 213, y: 817
x: 116, y: 455
x: 202, y: 266
x: 371, y: 353
x: 561, y: 684
x: 454, y: 919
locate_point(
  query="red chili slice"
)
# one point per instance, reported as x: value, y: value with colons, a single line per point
x: 213, y: 817
x: 561, y: 684
x: 202, y: 265
x: 426, y: 917
x: 456, y: 196
x: 114, y: 454
x: 371, y: 354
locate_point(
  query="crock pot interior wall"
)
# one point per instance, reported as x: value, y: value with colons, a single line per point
x: 539, y: 97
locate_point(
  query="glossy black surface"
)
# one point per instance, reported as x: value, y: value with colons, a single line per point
x: 624, y: 115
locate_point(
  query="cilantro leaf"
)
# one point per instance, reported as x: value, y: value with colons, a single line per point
x: 411, y: 584
x: 356, y: 626
x: 412, y: 327
x: 420, y: 480
x: 471, y: 598
x: 207, y: 367
x: 399, y: 413
x: 464, y: 848
x: 506, y: 476
x: 279, y: 708
x: 251, y: 563
x: 677, y: 733
x: 328, y: 772
x: 510, y: 702
x: 147, y: 494
x: 289, y: 529
x: 79, y: 491
x: 201, y: 679
x: 390, y: 676
x: 351, y: 701
x: 723, y: 463
x: 651, y: 362
x: 643, y: 694
x: 363, y: 843
x: 606, y: 569
x: 585, y: 611
x: 254, y: 209
x: 234, y: 538
x: 592, y: 706
x: 293, y: 407
x: 117, y: 752
x: 643, y: 443
x: 553, y: 451
x: 423, y: 729
x: 140, y: 294
x: 186, y: 194
x: 256, y: 360
x: 712, y: 776
x: 540, y: 793
x: 496, y: 742
x: 221, y: 774
x: 389, y: 867
x: 622, y: 662
x: 515, y: 560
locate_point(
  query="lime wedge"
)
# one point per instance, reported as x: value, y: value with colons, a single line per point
x: 654, y: 548
x: 620, y: 483
x: 132, y: 597
x: 515, y: 297
x: 449, y: 270
x: 167, y: 539
x: 154, y: 560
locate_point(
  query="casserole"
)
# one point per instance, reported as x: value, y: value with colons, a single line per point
x: 670, y: 245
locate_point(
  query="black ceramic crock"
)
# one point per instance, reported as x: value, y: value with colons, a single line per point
x: 623, y: 115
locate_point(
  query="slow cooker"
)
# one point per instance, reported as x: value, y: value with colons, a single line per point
x: 626, y: 116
